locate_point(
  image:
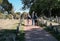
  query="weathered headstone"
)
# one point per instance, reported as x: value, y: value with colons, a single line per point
x: 54, y: 29
x: 42, y: 21
x: 46, y: 23
x: 51, y: 27
x: 56, y: 19
x: 57, y: 30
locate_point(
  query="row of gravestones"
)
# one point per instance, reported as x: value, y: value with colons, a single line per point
x: 58, y: 19
x: 55, y: 29
x: 52, y: 28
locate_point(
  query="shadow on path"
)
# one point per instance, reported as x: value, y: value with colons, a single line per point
x: 38, y: 34
x: 10, y: 35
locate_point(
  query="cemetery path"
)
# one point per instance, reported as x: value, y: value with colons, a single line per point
x: 36, y: 33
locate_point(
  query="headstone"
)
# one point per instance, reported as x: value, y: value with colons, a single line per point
x: 56, y: 19
x: 54, y: 29
x: 57, y: 30
x: 42, y: 21
x: 46, y: 23
x: 51, y: 27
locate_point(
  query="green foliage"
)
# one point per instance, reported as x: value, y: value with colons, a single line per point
x: 41, y: 6
x: 18, y: 13
x: 7, y: 33
x: 16, y: 16
x: 21, y: 37
x: 7, y: 6
x: 9, y: 16
x: 1, y: 1
x: 23, y: 15
x: 1, y: 15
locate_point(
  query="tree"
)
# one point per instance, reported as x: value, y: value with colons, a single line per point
x: 1, y: 1
x: 18, y: 13
x: 27, y: 3
x: 7, y: 6
x: 40, y: 6
x: 24, y: 15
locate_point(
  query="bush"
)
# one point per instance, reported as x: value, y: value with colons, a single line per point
x: 9, y: 16
x: 1, y: 15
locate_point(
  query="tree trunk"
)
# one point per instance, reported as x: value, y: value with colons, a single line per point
x: 50, y: 12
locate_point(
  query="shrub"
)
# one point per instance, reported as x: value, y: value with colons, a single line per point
x: 9, y: 16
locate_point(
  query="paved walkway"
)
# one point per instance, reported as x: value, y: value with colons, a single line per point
x: 36, y: 33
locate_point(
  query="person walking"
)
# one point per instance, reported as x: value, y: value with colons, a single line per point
x: 33, y: 18
x: 36, y: 19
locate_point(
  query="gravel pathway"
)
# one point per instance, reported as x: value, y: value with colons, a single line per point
x: 36, y: 33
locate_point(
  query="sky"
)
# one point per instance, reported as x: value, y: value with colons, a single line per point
x: 17, y: 6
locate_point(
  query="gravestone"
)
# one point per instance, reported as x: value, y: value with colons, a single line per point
x: 57, y: 30
x: 17, y: 32
x: 54, y: 29
x: 42, y: 20
x: 46, y: 23
x: 58, y: 19
x: 51, y: 27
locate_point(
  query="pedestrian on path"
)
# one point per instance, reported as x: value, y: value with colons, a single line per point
x: 34, y: 19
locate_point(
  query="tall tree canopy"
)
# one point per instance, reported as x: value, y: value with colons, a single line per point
x: 41, y: 6
x: 1, y: 1
x: 6, y: 5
